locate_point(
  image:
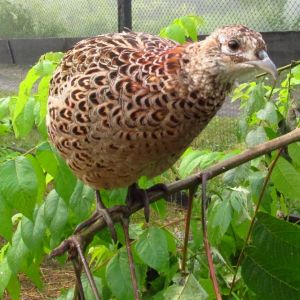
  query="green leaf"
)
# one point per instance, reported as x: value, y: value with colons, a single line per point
x: 200, y: 159
x: 44, y: 67
x: 56, y: 215
x: 272, y: 263
x: 47, y: 158
x: 67, y: 295
x: 186, y: 288
x: 176, y: 33
x: 237, y: 176
x: 40, y: 176
x: 152, y: 248
x: 256, y: 136
x: 268, y: 113
x: 189, y: 25
x: 33, y: 233
x: 170, y: 241
x: 18, y: 253
x: 189, y: 161
x: 33, y: 272
x: 118, y: 276
x: 14, y: 288
x: 286, y: 179
x: 218, y: 220
x: 4, y: 107
x: 242, y: 129
x: 65, y: 180
x: 238, y: 198
x: 294, y: 152
x: 5, y: 128
x: 88, y: 293
x: 25, y: 91
x: 81, y: 201
x: 296, y: 72
x: 43, y: 92
x: 23, y: 122
x: 99, y: 255
x: 256, y: 100
x: 19, y: 185
x: 5, y: 219
x: 5, y: 275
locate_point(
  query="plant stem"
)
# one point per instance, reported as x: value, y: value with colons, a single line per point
x: 188, y: 216
x: 262, y: 192
x: 205, y: 239
x: 125, y: 224
x: 86, y: 269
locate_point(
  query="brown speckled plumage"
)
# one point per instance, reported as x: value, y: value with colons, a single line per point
x: 127, y: 104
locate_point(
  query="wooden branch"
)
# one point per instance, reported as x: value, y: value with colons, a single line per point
x: 87, y: 233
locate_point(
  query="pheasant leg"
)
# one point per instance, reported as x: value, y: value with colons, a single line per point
x: 101, y: 210
x: 137, y: 194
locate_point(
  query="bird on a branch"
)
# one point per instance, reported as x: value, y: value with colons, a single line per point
x: 126, y: 105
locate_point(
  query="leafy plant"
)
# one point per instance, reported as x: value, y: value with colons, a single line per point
x: 18, y: 21
x: 182, y: 28
x: 41, y: 202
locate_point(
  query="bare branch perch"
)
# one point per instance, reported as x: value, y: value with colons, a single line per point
x: 219, y: 168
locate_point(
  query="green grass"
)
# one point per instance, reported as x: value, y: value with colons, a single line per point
x: 27, y: 143
x: 219, y: 135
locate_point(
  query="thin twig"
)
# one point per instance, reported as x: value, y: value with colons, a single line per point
x: 16, y: 149
x: 87, y: 269
x: 78, y: 292
x: 205, y: 239
x: 188, y: 216
x: 116, y: 212
x: 272, y: 89
x: 262, y: 192
x: 125, y: 224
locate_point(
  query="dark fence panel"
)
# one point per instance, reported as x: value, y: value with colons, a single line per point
x: 282, y: 47
x: 6, y: 56
x: 124, y: 15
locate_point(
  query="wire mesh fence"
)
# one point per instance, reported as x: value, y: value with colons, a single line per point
x: 268, y: 15
x: 76, y: 18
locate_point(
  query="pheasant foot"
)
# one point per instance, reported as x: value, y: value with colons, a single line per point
x: 137, y: 194
x: 101, y: 210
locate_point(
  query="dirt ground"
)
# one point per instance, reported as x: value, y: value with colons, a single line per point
x: 11, y: 76
x: 55, y: 278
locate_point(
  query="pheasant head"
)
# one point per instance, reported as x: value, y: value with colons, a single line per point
x: 229, y: 53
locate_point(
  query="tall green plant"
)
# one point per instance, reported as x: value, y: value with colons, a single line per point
x: 19, y: 21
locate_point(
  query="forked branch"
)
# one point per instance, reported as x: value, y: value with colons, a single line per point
x: 88, y: 233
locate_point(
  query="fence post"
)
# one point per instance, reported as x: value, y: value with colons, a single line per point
x: 124, y: 15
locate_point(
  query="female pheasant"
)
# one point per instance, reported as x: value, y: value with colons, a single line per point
x: 124, y: 105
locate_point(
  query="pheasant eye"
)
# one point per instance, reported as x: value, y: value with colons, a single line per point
x: 234, y: 45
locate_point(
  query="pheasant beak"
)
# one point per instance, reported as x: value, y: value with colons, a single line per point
x: 265, y: 64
